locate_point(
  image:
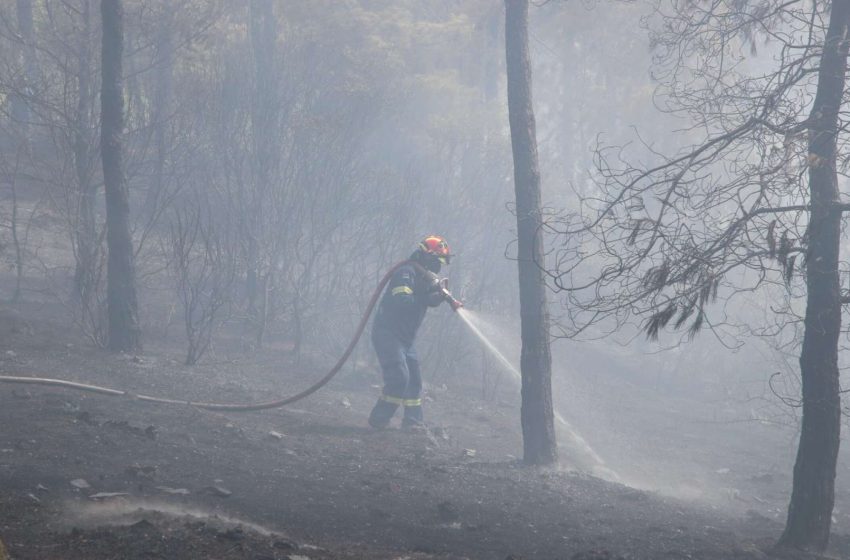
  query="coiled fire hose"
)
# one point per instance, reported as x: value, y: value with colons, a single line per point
x: 241, y: 407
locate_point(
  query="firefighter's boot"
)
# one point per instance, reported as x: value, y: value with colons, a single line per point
x: 413, y: 418
x: 383, y: 412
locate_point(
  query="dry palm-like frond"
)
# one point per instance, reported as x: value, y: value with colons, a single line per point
x: 635, y: 232
x: 789, y: 269
x: 696, y: 326
x: 771, y: 239
x: 656, y: 277
x: 705, y: 293
x: 659, y: 320
x: 784, y: 248
x: 685, y: 314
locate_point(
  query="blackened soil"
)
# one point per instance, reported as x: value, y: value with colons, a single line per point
x: 90, y: 477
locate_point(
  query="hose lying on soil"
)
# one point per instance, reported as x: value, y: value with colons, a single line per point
x: 227, y: 406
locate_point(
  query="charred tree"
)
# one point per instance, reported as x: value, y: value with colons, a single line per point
x: 163, y: 92
x: 753, y: 205
x: 87, y: 242
x: 122, y: 308
x: 813, y: 495
x: 538, y: 429
x: 263, y: 31
x: 20, y: 103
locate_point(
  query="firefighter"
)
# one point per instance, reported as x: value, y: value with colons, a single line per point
x: 406, y: 299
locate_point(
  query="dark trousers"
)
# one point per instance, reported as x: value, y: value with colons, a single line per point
x: 402, y: 380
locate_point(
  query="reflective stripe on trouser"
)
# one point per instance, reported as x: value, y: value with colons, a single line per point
x: 402, y: 379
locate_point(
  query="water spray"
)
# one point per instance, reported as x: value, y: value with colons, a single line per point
x: 439, y: 284
x: 577, y: 442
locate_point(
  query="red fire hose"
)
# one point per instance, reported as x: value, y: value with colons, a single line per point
x: 241, y: 407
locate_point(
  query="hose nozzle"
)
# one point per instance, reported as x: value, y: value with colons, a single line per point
x: 454, y: 303
x: 444, y: 289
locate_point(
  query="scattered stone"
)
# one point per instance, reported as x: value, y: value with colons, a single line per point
x: 70, y: 407
x: 441, y: 433
x: 763, y: 478
x: 173, y: 491
x: 447, y: 512
x: 276, y: 435
x: 469, y: 453
x: 379, y: 513
x: 595, y: 555
x: 220, y: 491
x: 345, y: 402
x: 141, y: 471
x: 149, y: 432
x: 80, y: 484
x: 143, y: 525
x: 284, y: 544
x: 11, y: 353
x: 42, y: 488
x: 634, y: 495
x: 33, y: 498
x: 233, y: 534
x: 723, y: 471
x: 107, y: 495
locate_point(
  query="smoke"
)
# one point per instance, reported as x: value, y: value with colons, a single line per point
x: 127, y: 511
x: 581, y: 452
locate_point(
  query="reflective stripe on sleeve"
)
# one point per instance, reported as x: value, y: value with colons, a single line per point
x: 402, y: 290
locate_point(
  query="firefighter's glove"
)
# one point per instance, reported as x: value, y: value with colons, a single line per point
x: 435, y: 295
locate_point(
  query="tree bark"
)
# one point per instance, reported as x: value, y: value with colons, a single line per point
x: 813, y: 494
x: 124, y: 332
x: 86, y: 228
x: 538, y: 429
x: 26, y: 29
x: 263, y: 31
x: 162, y: 107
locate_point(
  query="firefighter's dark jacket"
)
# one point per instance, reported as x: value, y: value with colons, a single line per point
x: 408, y: 296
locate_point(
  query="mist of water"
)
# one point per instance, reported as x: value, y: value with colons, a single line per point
x: 574, y: 439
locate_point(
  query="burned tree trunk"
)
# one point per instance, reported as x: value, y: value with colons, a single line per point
x: 538, y: 430
x: 263, y: 32
x: 813, y: 495
x: 161, y: 107
x: 85, y: 274
x: 124, y: 332
x: 20, y: 103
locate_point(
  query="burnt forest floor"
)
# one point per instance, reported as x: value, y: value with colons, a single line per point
x: 84, y: 476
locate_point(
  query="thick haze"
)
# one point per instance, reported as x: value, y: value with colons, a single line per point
x: 312, y: 148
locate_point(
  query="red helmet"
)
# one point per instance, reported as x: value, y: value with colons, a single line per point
x: 437, y: 246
